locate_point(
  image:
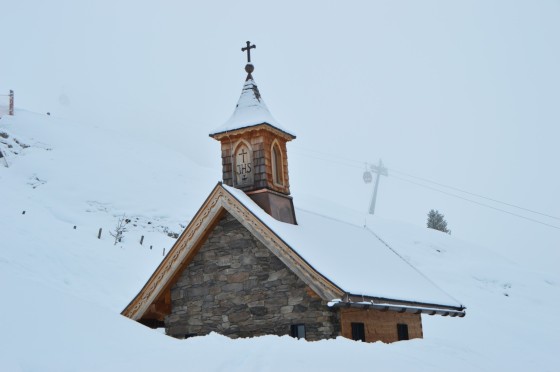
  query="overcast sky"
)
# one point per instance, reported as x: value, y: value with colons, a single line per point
x: 466, y: 94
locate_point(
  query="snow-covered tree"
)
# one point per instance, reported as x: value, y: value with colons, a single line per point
x: 437, y: 221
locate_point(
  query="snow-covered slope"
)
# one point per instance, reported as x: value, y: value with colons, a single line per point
x: 63, y: 289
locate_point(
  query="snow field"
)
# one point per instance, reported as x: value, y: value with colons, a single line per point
x: 63, y: 289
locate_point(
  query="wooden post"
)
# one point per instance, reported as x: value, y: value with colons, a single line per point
x: 11, y: 110
x: 142, y: 240
x: 164, y: 251
x: 150, y: 247
x: 99, y: 233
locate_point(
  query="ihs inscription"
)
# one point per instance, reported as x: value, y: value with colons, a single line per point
x: 243, y: 166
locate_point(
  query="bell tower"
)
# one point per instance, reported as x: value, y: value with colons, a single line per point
x: 254, y: 154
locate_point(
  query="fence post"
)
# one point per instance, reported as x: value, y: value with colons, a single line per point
x: 99, y: 233
x: 11, y: 110
x: 142, y: 240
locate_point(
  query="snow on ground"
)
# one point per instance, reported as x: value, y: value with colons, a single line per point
x: 63, y: 289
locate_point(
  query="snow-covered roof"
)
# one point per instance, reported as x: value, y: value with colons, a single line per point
x: 345, y: 264
x: 250, y: 111
x: 352, y: 257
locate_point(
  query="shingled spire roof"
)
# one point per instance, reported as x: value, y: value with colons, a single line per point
x: 250, y: 109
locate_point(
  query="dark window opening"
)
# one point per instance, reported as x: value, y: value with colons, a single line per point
x: 358, y: 332
x: 402, y: 331
x: 297, y: 330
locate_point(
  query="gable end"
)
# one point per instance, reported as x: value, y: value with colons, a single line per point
x: 153, y: 294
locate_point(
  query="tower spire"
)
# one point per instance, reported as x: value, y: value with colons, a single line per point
x: 254, y: 153
x: 251, y: 110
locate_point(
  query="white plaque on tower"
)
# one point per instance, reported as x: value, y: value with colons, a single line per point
x: 244, y: 173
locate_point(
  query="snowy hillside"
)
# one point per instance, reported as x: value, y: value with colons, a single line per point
x: 63, y: 288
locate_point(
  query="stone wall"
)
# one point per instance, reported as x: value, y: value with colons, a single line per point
x: 237, y: 287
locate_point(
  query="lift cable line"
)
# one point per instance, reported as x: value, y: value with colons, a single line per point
x: 359, y: 165
x: 475, y: 202
x: 474, y: 194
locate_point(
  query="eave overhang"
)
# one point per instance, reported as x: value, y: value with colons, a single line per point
x: 386, y: 304
x: 232, y: 132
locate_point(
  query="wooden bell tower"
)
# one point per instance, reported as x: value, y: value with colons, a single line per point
x: 254, y: 154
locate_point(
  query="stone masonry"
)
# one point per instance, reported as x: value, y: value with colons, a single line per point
x: 236, y: 287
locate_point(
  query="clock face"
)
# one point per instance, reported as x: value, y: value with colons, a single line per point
x: 244, y: 166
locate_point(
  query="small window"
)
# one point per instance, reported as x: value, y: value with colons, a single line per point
x: 297, y: 330
x: 277, y: 165
x: 402, y: 331
x: 358, y: 332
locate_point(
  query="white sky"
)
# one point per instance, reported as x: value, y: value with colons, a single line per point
x: 463, y: 93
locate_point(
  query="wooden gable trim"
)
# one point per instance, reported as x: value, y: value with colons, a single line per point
x: 198, y: 227
x: 161, y: 305
x: 326, y: 289
x: 182, y: 252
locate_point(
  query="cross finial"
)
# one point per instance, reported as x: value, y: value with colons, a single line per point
x: 248, y: 49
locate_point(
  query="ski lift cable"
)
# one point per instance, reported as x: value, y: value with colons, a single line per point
x: 475, y: 202
x: 474, y: 194
x: 425, y: 180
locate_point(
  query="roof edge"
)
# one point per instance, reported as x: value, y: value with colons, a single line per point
x: 221, y: 198
x: 384, y: 301
x: 223, y: 133
x: 399, y: 308
x: 335, y: 288
x: 129, y: 310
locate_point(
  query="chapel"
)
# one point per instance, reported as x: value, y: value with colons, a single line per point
x: 249, y: 263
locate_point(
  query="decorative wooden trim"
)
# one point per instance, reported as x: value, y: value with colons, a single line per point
x: 266, y: 126
x: 218, y: 200
x: 196, y: 228
x: 320, y: 284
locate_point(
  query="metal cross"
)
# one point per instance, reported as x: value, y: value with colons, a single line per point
x: 248, y: 49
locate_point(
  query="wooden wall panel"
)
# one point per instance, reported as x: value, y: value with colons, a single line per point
x: 380, y: 325
x: 261, y: 142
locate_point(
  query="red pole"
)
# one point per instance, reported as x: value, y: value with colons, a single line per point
x: 11, y: 111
